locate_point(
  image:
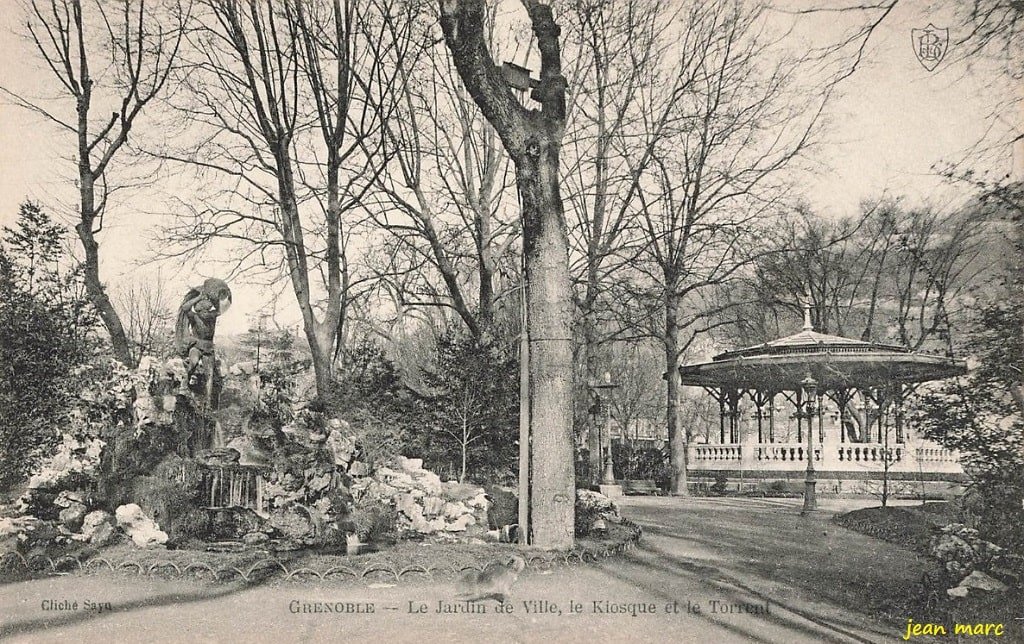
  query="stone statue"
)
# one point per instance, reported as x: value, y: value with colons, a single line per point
x: 197, y: 323
x: 193, y: 340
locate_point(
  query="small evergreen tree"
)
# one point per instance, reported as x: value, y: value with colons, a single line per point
x: 266, y: 347
x: 471, y: 416
x: 45, y: 324
x: 368, y: 393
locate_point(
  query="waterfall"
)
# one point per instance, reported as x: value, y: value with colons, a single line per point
x: 213, y: 490
x: 217, y: 440
x: 260, y: 509
x: 234, y: 486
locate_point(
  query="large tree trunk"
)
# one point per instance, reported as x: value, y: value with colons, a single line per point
x: 87, y: 215
x: 329, y: 329
x: 549, y: 317
x: 91, y: 270
x: 319, y: 336
x: 676, y: 433
x: 139, y: 65
x: 532, y: 139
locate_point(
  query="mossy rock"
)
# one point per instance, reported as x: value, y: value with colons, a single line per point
x: 164, y: 501
x: 186, y: 473
x: 193, y: 525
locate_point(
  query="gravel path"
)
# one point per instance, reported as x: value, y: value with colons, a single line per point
x: 708, y: 570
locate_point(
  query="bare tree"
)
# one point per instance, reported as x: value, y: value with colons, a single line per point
x: 149, y: 315
x: 636, y: 401
x: 290, y: 99
x: 698, y: 416
x: 532, y: 137
x: 617, y: 52
x: 994, y: 28
x: 464, y: 432
x: 829, y: 262
x: 890, y: 275
x: 444, y: 196
x: 114, y: 56
x: 714, y: 179
x: 936, y: 262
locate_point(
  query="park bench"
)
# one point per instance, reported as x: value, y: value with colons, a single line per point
x: 635, y: 487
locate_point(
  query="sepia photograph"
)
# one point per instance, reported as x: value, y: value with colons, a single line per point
x: 512, y: 321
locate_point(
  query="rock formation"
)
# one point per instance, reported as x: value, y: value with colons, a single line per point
x: 142, y: 530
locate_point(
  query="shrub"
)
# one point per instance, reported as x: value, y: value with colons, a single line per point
x: 470, y: 409
x: 591, y: 506
x: 633, y: 462
x: 585, y: 518
x: 982, y: 415
x: 994, y: 509
x: 192, y: 525
x: 44, y: 336
x: 373, y: 520
x: 380, y: 435
x: 504, y: 508
x: 721, y: 481
x: 368, y: 394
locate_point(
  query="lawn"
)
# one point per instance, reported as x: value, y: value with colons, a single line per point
x: 908, y: 526
x: 912, y: 527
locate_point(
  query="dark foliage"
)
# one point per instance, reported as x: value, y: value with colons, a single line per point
x: 471, y: 414
x: 718, y: 488
x: 632, y: 461
x: 128, y: 456
x: 504, y: 507
x: 585, y: 518
x: 170, y: 492
x: 982, y: 414
x: 44, y: 329
x: 374, y: 521
x: 910, y: 527
x: 166, y: 502
x: 269, y: 348
x: 369, y: 394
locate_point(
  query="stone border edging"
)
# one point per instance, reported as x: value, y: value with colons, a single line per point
x: 198, y: 570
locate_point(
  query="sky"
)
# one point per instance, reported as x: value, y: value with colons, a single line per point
x: 889, y: 127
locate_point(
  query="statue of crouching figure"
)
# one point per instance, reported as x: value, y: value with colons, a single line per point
x: 193, y: 336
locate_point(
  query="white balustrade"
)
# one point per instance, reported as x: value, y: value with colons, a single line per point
x: 936, y: 455
x: 718, y: 452
x: 782, y: 457
x: 870, y: 453
x: 782, y: 452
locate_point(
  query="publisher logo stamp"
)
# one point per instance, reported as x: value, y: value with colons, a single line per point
x: 930, y: 45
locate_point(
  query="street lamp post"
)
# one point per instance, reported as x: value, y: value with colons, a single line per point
x: 607, y: 477
x: 810, y: 387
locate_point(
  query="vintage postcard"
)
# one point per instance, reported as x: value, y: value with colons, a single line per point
x: 511, y: 320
